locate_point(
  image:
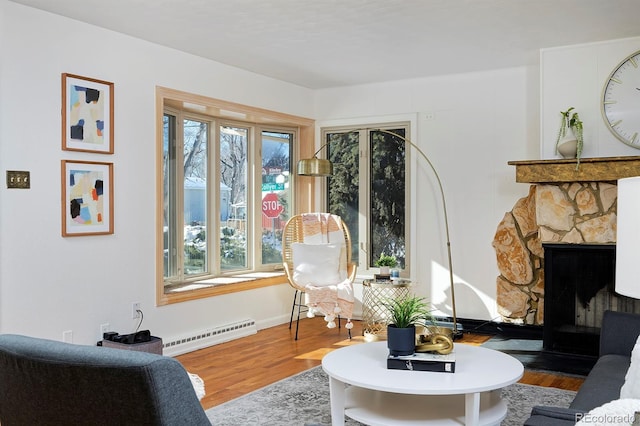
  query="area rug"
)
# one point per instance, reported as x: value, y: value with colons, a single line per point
x: 303, y: 400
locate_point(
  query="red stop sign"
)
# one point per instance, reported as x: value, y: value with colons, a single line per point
x: 271, y: 207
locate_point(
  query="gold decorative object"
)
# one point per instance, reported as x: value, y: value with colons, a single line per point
x: 434, y: 339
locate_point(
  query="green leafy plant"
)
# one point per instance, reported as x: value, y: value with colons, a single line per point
x: 385, y: 260
x: 570, y: 122
x: 408, y: 310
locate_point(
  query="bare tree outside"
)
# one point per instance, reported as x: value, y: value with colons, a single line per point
x: 195, y: 210
x: 188, y: 193
x: 233, y: 175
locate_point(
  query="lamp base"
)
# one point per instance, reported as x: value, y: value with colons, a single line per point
x: 457, y: 330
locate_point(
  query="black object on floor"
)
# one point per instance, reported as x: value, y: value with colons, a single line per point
x: 530, y: 353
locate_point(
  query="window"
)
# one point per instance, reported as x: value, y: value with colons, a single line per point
x: 276, y: 161
x: 226, y: 194
x: 368, y: 190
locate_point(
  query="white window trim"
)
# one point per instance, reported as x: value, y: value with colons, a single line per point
x: 373, y: 122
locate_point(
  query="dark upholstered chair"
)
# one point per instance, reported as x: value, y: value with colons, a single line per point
x: 44, y: 382
x: 618, y: 337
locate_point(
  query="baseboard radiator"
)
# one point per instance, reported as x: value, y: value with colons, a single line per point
x: 209, y: 337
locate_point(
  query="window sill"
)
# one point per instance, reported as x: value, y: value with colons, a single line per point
x: 217, y: 286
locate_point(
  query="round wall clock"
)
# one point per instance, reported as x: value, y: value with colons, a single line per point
x: 620, y: 102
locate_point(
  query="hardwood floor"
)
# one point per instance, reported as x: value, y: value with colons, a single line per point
x: 235, y: 368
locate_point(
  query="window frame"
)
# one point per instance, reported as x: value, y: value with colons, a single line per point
x: 365, y: 259
x: 260, y: 119
x: 178, y: 191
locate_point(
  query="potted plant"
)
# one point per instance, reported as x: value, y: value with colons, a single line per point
x: 405, y: 312
x: 570, y: 139
x: 385, y: 262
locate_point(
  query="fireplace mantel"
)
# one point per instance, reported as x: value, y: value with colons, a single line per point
x: 600, y: 169
x: 564, y: 205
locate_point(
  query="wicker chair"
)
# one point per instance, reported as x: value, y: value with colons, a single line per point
x: 294, y: 232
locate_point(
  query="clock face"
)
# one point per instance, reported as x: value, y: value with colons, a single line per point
x: 621, y: 101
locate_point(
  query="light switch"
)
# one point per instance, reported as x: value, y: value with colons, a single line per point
x: 18, y: 179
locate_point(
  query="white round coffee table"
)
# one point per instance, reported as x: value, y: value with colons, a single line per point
x: 362, y: 387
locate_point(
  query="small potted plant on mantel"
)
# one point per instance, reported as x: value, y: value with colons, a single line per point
x: 405, y: 312
x: 385, y: 262
x: 570, y: 138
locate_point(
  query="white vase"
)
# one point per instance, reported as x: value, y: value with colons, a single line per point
x: 568, y: 147
x: 384, y: 270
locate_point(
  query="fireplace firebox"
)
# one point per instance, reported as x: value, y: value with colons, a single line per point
x: 579, y: 286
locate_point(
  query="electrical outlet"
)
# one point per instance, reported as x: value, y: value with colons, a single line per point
x: 67, y: 336
x: 103, y: 329
x: 135, y: 307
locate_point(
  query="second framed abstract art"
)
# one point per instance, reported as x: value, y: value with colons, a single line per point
x: 87, y: 198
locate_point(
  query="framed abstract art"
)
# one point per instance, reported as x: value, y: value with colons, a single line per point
x: 87, y: 114
x: 87, y: 198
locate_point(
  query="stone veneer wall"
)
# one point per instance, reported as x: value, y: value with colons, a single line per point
x: 573, y: 213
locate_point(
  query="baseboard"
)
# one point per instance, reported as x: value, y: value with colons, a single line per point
x: 273, y: 321
x: 194, y: 340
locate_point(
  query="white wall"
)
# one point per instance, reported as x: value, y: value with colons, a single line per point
x: 470, y: 125
x: 574, y: 76
x: 49, y: 284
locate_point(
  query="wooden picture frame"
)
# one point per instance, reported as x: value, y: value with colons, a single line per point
x: 87, y: 198
x: 87, y: 114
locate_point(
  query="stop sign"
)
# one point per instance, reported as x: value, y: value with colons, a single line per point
x: 271, y: 207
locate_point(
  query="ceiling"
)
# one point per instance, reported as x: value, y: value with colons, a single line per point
x: 329, y: 43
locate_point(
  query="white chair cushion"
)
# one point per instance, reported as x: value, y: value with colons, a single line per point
x: 631, y: 386
x: 316, y: 264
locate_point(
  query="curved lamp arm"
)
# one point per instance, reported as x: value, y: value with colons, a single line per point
x: 322, y: 167
x: 446, y: 221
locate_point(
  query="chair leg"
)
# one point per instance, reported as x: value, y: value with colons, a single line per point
x: 299, y: 308
x: 339, y: 325
x: 293, y: 307
x: 297, y: 295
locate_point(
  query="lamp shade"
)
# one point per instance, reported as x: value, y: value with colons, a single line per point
x: 628, y: 238
x: 315, y: 167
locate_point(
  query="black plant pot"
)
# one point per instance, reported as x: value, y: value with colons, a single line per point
x: 401, y: 341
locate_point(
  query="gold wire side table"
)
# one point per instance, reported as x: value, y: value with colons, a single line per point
x: 376, y: 316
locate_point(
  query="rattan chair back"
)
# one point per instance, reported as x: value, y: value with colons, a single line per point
x: 293, y: 233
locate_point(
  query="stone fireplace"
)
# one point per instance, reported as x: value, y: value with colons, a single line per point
x: 565, y: 205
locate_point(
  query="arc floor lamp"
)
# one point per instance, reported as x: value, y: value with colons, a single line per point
x: 321, y: 167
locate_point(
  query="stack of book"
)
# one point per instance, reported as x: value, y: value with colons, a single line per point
x: 381, y: 277
x: 423, y: 362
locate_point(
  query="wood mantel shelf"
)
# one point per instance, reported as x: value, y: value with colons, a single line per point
x: 600, y: 169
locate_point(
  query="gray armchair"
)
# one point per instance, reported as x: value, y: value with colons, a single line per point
x: 618, y: 337
x: 44, y: 382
